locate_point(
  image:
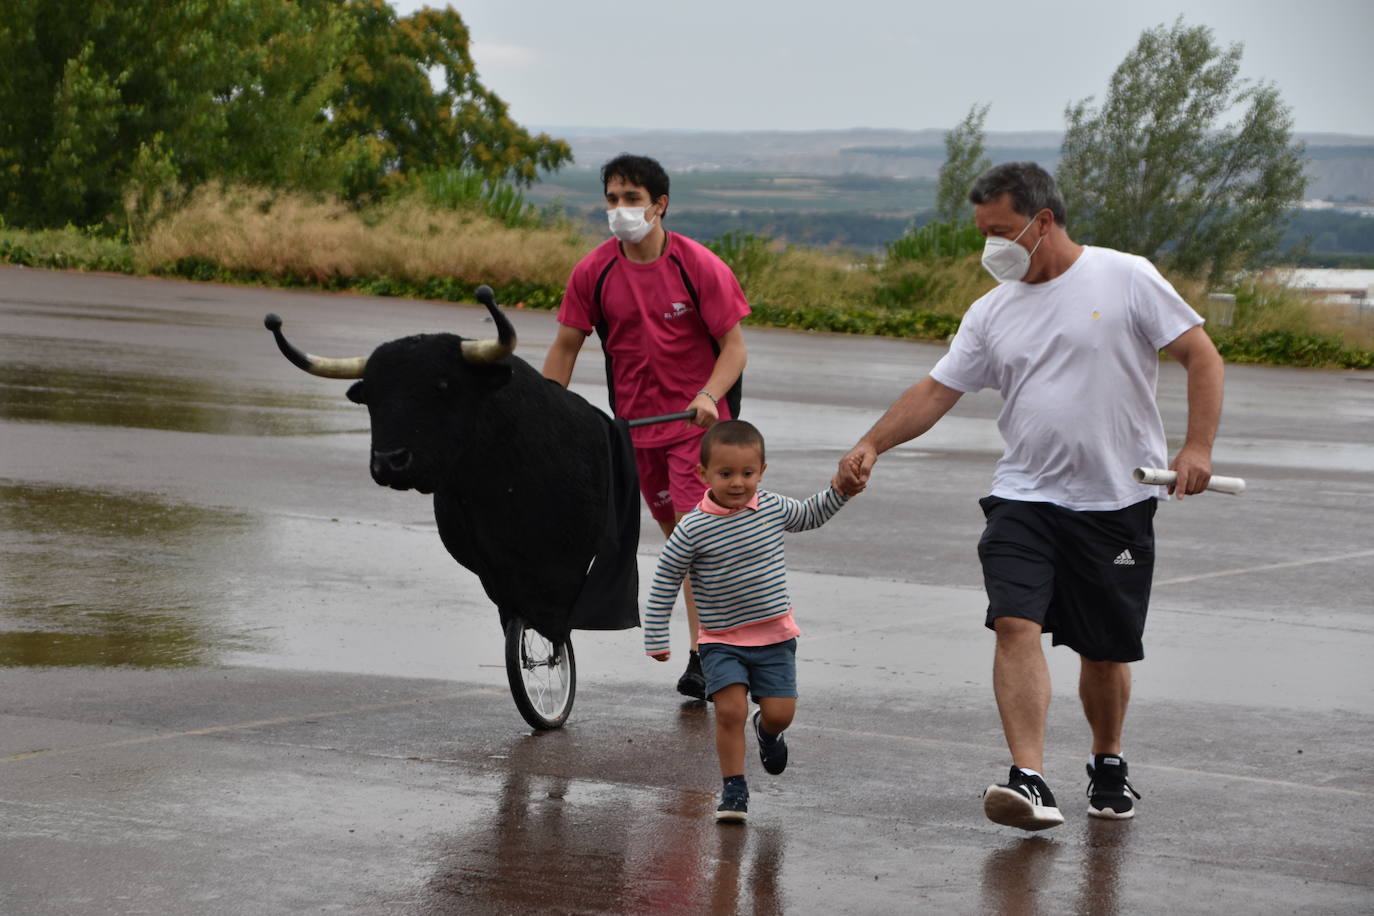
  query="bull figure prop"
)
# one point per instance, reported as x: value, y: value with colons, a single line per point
x: 534, y: 489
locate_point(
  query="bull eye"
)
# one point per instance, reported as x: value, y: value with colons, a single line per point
x: 441, y: 386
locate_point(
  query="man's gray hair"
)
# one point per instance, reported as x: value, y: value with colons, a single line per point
x: 1032, y: 189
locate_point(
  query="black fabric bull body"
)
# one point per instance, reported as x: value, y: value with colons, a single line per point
x: 522, y: 472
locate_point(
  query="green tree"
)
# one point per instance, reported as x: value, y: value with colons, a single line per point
x: 194, y: 89
x: 1155, y: 172
x: 396, y: 121
x: 964, y: 161
x: 104, y: 98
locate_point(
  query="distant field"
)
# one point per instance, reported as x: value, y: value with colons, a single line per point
x: 863, y: 212
x: 866, y: 212
x: 861, y: 188
x: 580, y: 189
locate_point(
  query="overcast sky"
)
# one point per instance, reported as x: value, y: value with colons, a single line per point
x: 812, y: 65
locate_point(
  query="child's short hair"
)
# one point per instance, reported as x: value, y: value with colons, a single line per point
x: 730, y: 432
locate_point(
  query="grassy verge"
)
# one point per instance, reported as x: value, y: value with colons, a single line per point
x: 408, y: 247
x: 65, y: 249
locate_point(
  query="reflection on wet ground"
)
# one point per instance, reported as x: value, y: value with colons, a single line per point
x: 91, y: 577
x: 1015, y: 875
x: 1020, y: 878
x: 103, y: 397
x: 1105, y: 845
x: 623, y: 848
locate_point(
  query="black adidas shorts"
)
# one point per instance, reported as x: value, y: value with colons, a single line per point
x: 1083, y: 576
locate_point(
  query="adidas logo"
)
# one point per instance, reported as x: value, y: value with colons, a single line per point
x: 1124, y: 559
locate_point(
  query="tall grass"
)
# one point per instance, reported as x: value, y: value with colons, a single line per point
x: 294, y: 237
x: 1273, y: 323
x: 824, y: 290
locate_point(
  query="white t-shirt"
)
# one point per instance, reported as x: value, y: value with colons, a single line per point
x: 1076, y: 359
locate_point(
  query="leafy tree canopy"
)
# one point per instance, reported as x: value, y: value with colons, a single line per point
x: 965, y: 160
x: 101, y: 96
x: 1155, y: 172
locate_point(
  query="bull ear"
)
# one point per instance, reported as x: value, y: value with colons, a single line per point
x: 357, y: 393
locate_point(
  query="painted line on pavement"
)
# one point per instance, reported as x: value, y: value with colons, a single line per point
x: 1254, y: 569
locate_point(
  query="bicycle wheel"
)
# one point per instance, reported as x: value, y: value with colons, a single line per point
x: 542, y: 674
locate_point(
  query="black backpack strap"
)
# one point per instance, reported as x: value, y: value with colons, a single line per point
x: 732, y: 397
x: 602, y: 330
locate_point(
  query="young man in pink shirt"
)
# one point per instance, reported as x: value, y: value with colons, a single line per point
x: 667, y: 311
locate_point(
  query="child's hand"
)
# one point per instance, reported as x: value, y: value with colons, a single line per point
x: 851, y: 477
x: 662, y: 656
x: 850, y: 483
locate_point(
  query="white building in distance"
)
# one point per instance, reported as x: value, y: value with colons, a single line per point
x: 1335, y: 286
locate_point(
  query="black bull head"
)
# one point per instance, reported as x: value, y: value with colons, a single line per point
x: 419, y: 391
x: 519, y: 467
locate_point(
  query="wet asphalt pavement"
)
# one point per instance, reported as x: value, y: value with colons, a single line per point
x: 238, y: 677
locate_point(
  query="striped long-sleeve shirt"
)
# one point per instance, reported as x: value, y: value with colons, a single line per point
x: 739, y: 573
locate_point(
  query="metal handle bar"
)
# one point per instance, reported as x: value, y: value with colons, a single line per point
x: 665, y: 418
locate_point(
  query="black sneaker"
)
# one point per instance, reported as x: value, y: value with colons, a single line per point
x: 772, y: 753
x: 1023, y: 801
x: 1109, y: 791
x: 734, y: 804
x: 693, y: 682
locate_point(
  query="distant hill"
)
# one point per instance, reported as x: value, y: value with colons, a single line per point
x: 1340, y: 166
x: 862, y: 188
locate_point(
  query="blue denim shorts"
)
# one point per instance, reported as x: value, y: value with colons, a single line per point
x: 767, y: 671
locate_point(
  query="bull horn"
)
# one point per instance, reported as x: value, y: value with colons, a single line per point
x: 323, y: 366
x: 489, y: 351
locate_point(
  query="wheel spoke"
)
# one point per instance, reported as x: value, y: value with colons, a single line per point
x: 545, y: 678
x: 542, y: 676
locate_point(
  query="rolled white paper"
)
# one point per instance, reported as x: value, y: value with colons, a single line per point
x: 1161, y: 477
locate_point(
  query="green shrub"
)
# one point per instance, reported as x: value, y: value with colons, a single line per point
x: 948, y: 285
x: 856, y: 320
x: 72, y: 248
x: 936, y: 240
x: 746, y: 254
x: 1289, y: 348
x: 463, y: 189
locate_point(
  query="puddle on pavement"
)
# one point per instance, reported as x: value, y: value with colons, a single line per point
x: 90, y: 577
x: 101, y: 397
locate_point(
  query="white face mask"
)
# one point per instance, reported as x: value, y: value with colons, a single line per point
x: 628, y: 223
x: 1006, y: 260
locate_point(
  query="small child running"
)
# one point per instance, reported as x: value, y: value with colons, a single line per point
x: 731, y: 546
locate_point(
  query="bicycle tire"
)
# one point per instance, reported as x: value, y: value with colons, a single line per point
x: 542, y: 675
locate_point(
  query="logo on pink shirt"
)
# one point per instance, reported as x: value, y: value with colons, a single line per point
x: 679, y: 309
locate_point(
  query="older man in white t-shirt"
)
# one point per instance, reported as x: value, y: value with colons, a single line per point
x: 1071, y: 339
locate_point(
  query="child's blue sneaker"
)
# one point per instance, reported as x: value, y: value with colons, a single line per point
x: 734, y: 803
x: 773, y: 753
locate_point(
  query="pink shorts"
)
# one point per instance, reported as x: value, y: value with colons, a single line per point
x: 668, y: 478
